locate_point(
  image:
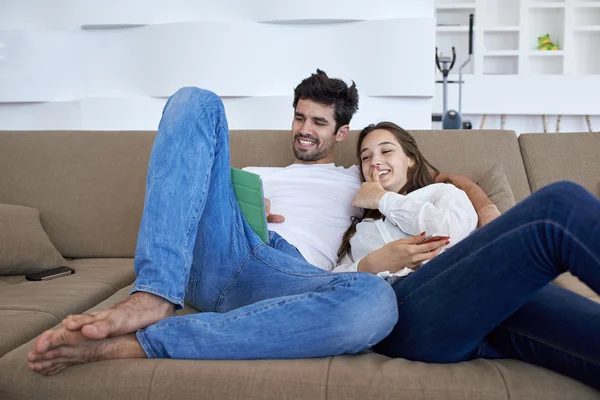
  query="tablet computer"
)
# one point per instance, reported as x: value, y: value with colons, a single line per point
x: 249, y: 193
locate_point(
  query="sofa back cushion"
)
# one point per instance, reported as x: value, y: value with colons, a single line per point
x: 565, y: 156
x: 470, y: 153
x: 89, y: 186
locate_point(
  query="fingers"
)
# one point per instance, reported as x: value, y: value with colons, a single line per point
x: 376, y: 174
x: 275, y: 218
x: 431, y: 246
x: 412, y: 240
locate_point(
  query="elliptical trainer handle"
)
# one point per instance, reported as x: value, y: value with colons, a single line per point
x: 437, y: 59
x: 471, y: 19
x: 453, y: 58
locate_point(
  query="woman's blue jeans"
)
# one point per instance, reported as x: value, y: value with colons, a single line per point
x: 490, y: 295
x: 257, y: 300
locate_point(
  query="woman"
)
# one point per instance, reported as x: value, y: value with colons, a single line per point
x: 488, y: 296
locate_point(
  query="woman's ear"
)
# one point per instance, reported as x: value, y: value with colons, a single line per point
x: 411, y: 163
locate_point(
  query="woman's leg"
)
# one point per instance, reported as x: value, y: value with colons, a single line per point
x: 556, y: 329
x: 450, y: 304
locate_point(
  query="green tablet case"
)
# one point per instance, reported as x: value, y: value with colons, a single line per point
x: 249, y: 192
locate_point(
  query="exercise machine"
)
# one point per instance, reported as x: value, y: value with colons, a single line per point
x: 452, y: 119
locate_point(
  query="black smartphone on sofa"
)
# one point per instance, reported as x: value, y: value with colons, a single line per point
x: 50, y: 274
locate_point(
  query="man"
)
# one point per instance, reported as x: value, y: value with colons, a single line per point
x: 257, y: 301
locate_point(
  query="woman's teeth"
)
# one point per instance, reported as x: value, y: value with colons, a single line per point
x: 385, y: 172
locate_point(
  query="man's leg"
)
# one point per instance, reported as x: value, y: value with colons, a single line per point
x: 556, y: 329
x: 450, y: 304
x: 231, y: 268
x: 188, y: 182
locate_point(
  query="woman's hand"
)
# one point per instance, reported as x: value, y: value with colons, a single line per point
x: 408, y: 252
x: 370, y: 193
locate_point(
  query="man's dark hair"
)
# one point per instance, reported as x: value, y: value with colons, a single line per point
x: 329, y: 92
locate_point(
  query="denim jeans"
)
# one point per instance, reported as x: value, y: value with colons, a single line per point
x: 256, y: 300
x: 489, y: 296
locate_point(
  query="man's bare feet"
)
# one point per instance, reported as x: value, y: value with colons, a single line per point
x: 136, y: 312
x: 71, y: 347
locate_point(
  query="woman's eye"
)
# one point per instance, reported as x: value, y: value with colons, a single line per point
x: 386, y: 151
x: 366, y: 158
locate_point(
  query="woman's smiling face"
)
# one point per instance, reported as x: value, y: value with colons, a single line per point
x: 380, y: 148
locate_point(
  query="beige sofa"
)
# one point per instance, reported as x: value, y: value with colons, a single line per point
x: 89, y: 188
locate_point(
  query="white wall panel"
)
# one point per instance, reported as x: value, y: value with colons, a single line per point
x: 91, y: 64
x: 251, y: 59
x: 40, y: 66
x: 65, y: 14
x: 40, y: 116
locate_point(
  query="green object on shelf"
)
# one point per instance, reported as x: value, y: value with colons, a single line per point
x: 544, y: 43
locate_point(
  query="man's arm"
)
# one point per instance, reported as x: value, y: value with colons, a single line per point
x: 485, y: 208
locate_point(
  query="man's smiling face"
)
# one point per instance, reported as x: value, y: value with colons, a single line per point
x: 313, y: 133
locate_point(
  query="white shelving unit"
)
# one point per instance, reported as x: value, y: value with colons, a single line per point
x: 510, y: 29
x: 506, y: 39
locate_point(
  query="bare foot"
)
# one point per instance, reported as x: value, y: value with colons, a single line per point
x: 71, y: 348
x: 136, y: 312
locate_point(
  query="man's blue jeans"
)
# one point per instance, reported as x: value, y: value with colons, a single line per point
x: 489, y: 296
x: 257, y: 300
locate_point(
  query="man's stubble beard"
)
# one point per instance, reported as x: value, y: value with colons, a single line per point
x: 317, y: 154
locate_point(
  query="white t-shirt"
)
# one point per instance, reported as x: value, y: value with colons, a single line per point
x: 437, y: 209
x: 316, y: 201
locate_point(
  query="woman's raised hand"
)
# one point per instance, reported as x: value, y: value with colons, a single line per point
x: 370, y: 193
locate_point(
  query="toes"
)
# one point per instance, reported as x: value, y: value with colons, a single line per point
x: 98, y: 330
x: 42, y: 343
x: 76, y: 322
x: 44, y: 367
x: 49, y: 355
x: 55, y: 370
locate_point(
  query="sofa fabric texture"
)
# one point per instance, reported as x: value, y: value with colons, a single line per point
x: 496, y: 187
x: 24, y: 246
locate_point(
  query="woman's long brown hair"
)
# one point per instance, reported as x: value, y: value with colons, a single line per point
x: 418, y: 176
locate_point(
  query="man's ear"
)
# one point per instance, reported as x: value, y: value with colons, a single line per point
x: 342, y: 133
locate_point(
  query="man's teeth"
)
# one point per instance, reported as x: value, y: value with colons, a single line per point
x: 306, y: 142
x: 384, y: 172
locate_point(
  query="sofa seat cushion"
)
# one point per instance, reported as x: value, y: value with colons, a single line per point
x: 364, y: 376
x: 19, y: 326
x: 568, y: 281
x: 37, y: 306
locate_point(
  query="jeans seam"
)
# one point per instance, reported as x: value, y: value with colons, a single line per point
x: 449, y: 268
x: 288, y: 299
x: 145, y: 344
x: 231, y: 280
x: 289, y: 273
x: 149, y: 289
x: 549, y: 344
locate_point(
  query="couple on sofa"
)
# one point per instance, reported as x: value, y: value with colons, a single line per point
x: 332, y: 280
